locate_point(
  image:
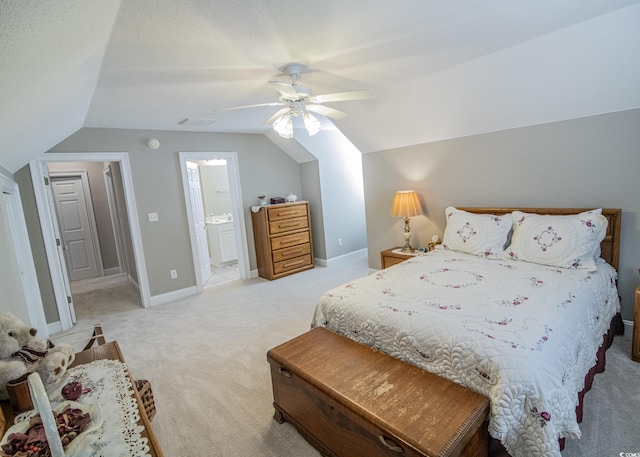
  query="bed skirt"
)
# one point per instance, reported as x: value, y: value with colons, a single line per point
x: 496, y: 449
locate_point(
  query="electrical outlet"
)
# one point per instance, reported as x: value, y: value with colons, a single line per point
x: 339, y: 241
x: 174, y: 274
x: 153, y: 217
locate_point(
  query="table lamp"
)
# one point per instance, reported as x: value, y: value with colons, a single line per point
x: 406, y: 205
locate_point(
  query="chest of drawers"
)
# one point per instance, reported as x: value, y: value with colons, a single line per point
x: 283, y: 242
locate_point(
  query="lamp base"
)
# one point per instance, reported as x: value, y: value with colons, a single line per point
x: 407, y: 248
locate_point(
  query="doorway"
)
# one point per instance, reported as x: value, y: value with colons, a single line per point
x: 236, y: 237
x: 218, y: 208
x: 128, y: 212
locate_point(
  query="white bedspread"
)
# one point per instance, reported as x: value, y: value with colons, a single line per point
x: 522, y: 334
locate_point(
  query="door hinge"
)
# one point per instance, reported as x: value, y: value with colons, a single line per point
x: 46, y: 181
x: 68, y: 299
x: 57, y: 242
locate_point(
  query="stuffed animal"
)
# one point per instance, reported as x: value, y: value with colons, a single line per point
x: 22, y: 352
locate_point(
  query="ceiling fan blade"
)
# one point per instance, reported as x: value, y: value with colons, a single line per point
x: 343, y: 96
x: 286, y: 89
x: 326, y: 111
x: 250, y: 106
x: 276, y: 116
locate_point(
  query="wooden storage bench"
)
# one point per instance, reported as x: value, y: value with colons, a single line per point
x: 349, y: 400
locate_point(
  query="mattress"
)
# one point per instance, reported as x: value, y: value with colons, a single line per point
x: 522, y: 334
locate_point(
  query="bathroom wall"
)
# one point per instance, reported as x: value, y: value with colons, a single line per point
x: 214, y: 181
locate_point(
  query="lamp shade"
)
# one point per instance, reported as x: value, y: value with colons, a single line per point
x: 406, y: 204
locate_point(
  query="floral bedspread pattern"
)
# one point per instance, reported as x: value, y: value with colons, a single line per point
x: 522, y: 334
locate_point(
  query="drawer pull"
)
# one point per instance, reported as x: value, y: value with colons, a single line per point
x: 285, y: 225
x: 392, y: 445
x: 287, y: 213
x: 285, y: 373
x: 293, y: 264
x: 292, y: 240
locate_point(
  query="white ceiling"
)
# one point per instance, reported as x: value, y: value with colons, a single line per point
x: 437, y: 69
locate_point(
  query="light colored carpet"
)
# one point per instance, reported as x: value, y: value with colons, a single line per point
x: 206, y: 359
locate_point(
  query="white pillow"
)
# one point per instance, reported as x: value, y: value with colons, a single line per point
x: 484, y: 235
x: 571, y: 241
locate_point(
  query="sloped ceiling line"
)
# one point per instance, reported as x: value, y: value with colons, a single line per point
x: 434, y: 67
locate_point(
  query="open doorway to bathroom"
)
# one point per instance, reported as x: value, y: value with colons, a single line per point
x: 218, y: 210
x: 219, y: 200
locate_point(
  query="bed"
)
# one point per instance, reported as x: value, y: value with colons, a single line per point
x: 526, y: 325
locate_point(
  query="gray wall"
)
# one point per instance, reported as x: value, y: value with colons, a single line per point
x: 264, y: 169
x: 310, y: 177
x: 588, y: 162
x: 341, y: 188
x: 216, y: 196
x: 123, y: 220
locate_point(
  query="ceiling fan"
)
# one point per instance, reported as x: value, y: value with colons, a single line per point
x: 299, y: 102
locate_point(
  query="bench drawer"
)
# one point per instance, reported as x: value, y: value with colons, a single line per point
x: 337, y: 428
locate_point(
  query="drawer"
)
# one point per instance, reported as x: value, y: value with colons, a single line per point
x: 390, y: 261
x: 286, y: 212
x: 289, y: 253
x: 339, y: 429
x: 287, y: 225
x: 291, y: 264
x: 289, y: 240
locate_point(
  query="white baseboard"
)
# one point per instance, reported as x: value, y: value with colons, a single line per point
x: 327, y: 262
x: 112, y: 271
x: 173, y: 295
x: 133, y: 282
x: 54, y: 327
x: 628, y: 327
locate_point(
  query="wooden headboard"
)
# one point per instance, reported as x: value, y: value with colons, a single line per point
x: 610, y: 245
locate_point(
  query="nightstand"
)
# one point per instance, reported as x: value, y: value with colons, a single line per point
x: 389, y: 257
x: 635, y: 345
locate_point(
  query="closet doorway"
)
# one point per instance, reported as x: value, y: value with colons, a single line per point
x: 127, y: 258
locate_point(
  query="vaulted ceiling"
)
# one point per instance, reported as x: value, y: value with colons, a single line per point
x: 437, y: 69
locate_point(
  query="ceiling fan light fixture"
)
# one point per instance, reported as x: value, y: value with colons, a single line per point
x: 311, y: 123
x: 284, y: 126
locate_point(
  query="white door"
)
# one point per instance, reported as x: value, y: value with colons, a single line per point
x: 199, y: 222
x: 75, y: 229
x: 116, y: 223
x: 53, y: 244
x: 20, y: 239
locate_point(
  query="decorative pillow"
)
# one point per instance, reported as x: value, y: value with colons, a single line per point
x: 571, y: 241
x: 484, y: 235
